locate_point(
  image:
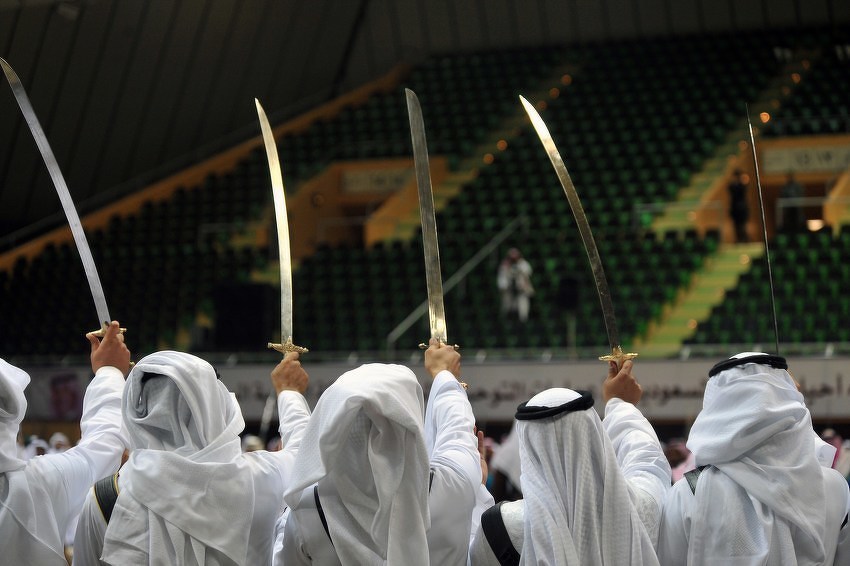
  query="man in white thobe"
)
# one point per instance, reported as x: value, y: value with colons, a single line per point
x: 759, y: 495
x: 188, y: 495
x: 599, y: 484
x: 41, y: 496
x: 376, y: 485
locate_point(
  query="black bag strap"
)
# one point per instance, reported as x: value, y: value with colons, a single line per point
x: 106, y: 493
x: 497, y: 536
x: 322, y: 517
x: 692, y: 478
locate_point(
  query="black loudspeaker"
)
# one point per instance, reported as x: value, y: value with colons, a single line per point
x: 245, y: 316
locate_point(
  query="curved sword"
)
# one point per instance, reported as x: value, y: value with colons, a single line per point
x: 617, y: 354
x: 433, y: 277
x: 282, y: 223
x: 285, y: 260
x: 64, y: 196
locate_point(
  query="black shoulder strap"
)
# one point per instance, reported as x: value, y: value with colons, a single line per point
x: 692, y: 478
x: 106, y: 493
x: 497, y: 536
x: 321, y: 511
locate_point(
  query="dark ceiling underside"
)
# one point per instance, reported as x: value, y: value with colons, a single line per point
x: 128, y: 91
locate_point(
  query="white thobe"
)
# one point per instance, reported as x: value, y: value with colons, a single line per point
x: 642, y: 461
x: 681, y: 502
x: 763, y: 499
x: 57, y: 484
x: 271, y: 475
x: 456, y: 480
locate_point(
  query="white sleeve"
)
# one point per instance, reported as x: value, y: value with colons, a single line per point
x: 676, y: 525
x: 641, y: 459
x: 294, y: 415
x: 69, y: 476
x: 449, y: 425
x: 88, y: 540
x: 456, y: 468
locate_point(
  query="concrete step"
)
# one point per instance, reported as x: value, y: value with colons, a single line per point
x: 707, y: 288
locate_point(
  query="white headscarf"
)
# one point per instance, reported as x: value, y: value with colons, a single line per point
x: 25, y: 521
x: 577, y: 504
x: 364, y: 445
x: 13, y: 407
x: 185, y: 481
x: 763, y: 498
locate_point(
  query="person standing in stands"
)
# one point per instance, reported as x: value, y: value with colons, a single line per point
x: 739, y: 209
x: 514, y: 282
x: 792, y: 216
x: 759, y: 494
x: 40, y: 497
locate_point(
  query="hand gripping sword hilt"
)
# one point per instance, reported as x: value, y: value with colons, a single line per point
x: 618, y: 355
x: 287, y: 346
x: 456, y: 348
x: 102, y: 331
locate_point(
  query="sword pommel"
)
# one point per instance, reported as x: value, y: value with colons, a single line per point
x: 102, y: 332
x: 287, y: 346
x: 618, y: 355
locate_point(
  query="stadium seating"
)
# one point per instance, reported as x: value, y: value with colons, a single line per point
x: 634, y: 122
x: 810, y: 272
x: 819, y: 104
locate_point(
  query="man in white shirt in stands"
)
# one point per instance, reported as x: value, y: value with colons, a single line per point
x: 42, y: 495
x: 599, y: 484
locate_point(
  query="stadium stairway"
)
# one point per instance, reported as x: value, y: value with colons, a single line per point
x: 694, y: 302
x: 679, y: 214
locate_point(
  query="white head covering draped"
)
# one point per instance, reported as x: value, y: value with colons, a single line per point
x: 764, y: 494
x: 13, y: 407
x: 24, y: 524
x: 364, y: 443
x: 185, y: 481
x: 577, y: 505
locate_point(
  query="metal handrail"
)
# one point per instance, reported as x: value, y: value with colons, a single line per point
x: 456, y: 278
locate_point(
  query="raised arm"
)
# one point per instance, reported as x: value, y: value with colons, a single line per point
x: 290, y: 381
x: 636, y: 446
x: 454, y: 458
x: 68, y: 476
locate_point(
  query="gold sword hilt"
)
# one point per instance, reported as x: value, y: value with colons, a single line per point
x: 618, y: 355
x: 424, y: 346
x: 287, y: 346
x: 102, y: 331
x: 456, y: 348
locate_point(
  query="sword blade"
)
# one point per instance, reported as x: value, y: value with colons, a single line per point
x: 282, y: 223
x: 764, y: 231
x: 433, y: 278
x: 62, y: 190
x: 583, y: 228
